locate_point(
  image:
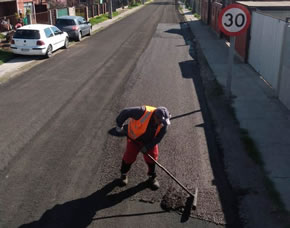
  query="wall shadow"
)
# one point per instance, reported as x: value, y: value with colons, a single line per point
x: 189, y: 69
x: 80, y: 213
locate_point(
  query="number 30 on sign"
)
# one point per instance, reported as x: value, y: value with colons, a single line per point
x: 234, y: 20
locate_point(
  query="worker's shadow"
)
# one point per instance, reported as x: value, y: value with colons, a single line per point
x: 80, y: 212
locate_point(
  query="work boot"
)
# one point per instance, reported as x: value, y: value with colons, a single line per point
x: 153, y: 183
x: 123, y: 180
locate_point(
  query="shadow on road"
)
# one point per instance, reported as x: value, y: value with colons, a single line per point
x: 190, y: 69
x: 80, y: 212
x: 174, y: 31
x: 130, y: 215
x: 183, y: 115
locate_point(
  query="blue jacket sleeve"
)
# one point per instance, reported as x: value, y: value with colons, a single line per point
x: 131, y: 112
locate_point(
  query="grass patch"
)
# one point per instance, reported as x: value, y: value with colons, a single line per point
x: 196, y: 15
x: 5, y: 56
x: 104, y: 17
x: 2, y: 37
x: 134, y: 5
x: 115, y: 14
x: 98, y: 19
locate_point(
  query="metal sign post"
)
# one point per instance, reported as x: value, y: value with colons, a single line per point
x: 233, y: 21
x: 230, y: 66
x: 110, y: 9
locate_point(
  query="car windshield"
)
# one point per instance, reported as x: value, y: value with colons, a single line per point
x: 26, y: 34
x: 65, y: 22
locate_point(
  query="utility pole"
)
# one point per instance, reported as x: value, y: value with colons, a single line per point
x: 110, y: 9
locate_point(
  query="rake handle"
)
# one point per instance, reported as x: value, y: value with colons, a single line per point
x: 194, y: 196
x: 162, y: 167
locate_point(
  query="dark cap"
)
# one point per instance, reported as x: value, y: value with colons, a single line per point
x: 163, y: 114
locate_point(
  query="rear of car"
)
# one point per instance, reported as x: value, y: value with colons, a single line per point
x: 68, y: 25
x: 75, y: 26
x: 38, y: 39
x: 28, y: 42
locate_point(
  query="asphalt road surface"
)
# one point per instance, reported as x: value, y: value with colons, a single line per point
x: 59, y: 164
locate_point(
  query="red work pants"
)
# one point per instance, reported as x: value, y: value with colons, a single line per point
x: 131, y: 153
x: 133, y: 149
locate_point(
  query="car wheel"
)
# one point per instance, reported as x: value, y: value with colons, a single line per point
x: 66, y: 43
x: 49, y: 51
x: 90, y: 32
x: 79, y: 36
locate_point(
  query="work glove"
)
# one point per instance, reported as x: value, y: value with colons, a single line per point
x: 119, y: 130
x: 144, y: 150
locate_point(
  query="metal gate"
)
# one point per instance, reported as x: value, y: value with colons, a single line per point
x: 62, y: 12
x: 266, y: 46
x: 81, y: 12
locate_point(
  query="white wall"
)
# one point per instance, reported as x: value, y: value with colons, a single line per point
x: 265, y: 46
x: 284, y: 92
x: 71, y: 11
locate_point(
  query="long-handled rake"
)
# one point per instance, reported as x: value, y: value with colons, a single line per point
x: 191, y: 201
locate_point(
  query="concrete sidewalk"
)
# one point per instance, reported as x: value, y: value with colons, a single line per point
x: 22, y: 63
x: 257, y: 108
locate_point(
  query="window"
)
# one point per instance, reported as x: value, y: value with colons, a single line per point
x: 65, y: 22
x: 48, y: 33
x: 55, y: 30
x: 81, y: 21
x: 28, y: 8
x: 26, y: 34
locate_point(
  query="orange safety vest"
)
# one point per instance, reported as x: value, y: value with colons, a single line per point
x: 136, y: 128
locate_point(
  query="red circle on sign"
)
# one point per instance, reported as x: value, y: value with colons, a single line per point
x: 224, y: 10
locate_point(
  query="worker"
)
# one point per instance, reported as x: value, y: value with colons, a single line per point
x: 146, y: 127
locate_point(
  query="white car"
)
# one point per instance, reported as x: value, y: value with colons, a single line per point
x: 38, y: 39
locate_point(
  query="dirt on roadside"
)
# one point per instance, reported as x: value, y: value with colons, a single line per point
x: 246, y: 178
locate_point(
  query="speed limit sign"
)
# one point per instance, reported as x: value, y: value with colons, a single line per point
x: 234, y: 20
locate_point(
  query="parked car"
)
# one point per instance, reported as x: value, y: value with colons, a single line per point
x: 75, y: 26
x: 38, y: 39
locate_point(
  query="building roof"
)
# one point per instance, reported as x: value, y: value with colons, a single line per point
x: 282, y: 15
x: 265, y: 4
